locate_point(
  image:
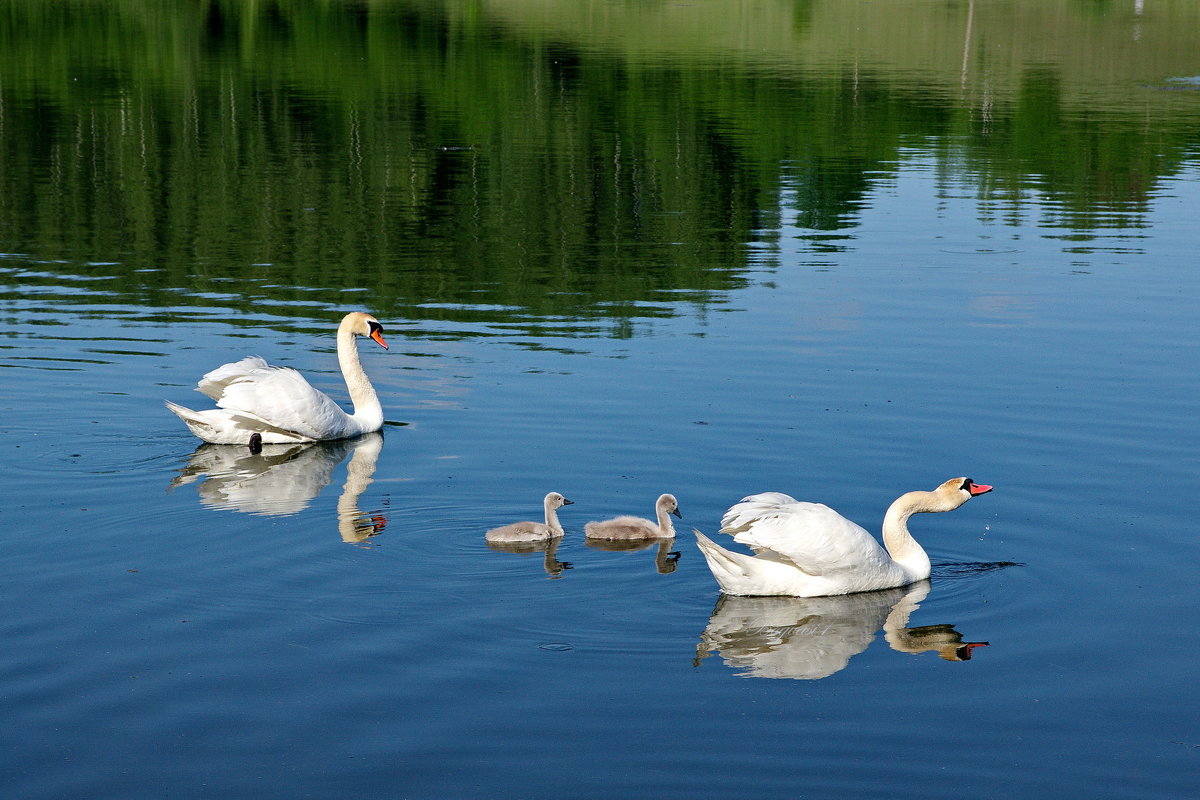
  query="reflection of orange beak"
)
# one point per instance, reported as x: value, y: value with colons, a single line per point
x: 377, y: 335
x: 964, y: 650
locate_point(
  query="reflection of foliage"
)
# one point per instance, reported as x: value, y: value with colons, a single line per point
x: 1096, y: 170
x: 432, y: 157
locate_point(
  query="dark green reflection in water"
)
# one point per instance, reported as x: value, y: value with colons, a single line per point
x: 458, y: 160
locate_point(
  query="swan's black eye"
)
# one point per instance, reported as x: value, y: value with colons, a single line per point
x: 967, y: 484
x: 374, y: 327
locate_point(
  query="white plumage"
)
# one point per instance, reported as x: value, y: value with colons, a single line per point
x: 279, y: 405
x: 809, y: 550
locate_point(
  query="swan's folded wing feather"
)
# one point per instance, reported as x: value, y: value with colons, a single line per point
x: 812, y: 536
x: 751, y: 508
x: 281, y: 397
x: 214, y: 382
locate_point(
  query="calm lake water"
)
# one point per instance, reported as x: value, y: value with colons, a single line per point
x: 833, y: 249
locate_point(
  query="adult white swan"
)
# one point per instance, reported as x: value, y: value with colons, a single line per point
x: 276, y: 405
x: 810, y: 550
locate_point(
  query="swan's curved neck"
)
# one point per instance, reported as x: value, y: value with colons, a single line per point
x: 900, y: 544
x: 664, y: 522
x: 367, y: 410
x: 552, y: 518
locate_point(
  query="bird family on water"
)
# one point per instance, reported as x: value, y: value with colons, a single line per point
x: 799, y: 549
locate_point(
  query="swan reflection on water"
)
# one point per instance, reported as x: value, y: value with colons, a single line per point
x: 282, y: 479
x: 807, y: 638
x: 547, y: 547
x: 665, y: 559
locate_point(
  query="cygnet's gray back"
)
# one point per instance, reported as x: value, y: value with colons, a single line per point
x: 622, y: 528
x: 628, y: 527
x: 529, y: 531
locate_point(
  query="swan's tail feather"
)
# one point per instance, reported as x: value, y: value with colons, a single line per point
x: 196, y: 423
x: 221, y: 426
x: 726, y: 566
x: 181, y: 411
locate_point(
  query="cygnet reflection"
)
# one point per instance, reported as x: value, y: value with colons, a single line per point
x: 807, y: 638
x: 547, y: 547
x: 665, y: 559
x: 282, y: 479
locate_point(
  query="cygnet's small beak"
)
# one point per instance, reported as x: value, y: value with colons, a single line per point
x: 675, y: 511
x: 567, y: 502
x: 979, y: 488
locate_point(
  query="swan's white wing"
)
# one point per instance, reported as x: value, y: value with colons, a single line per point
x: 278, y: 396
x: 751, y: 508
x: 213, y: 383
x: 812, y: 536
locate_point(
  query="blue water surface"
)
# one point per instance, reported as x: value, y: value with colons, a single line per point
x: 172, y: 630
x: 839, y: 250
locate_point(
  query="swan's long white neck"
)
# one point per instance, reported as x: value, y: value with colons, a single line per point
x: 367, y: 410
x: 900, y: 544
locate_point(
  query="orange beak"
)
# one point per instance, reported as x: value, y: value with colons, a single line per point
x: 377, y: 335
